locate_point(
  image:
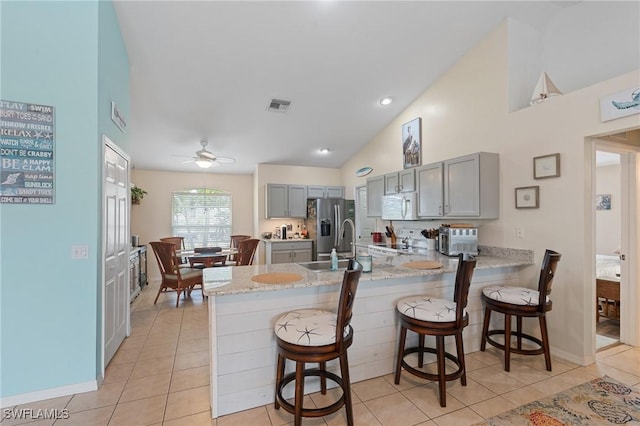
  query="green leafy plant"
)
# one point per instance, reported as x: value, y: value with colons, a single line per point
x: 137, y: 194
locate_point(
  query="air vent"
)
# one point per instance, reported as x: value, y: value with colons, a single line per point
x: 278, y: 105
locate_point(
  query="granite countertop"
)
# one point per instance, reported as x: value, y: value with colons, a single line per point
x: 237, y: 279
x: 288, y: 240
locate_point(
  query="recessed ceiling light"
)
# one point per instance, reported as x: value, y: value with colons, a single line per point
x: 324, y: 150
x: 385, y: 101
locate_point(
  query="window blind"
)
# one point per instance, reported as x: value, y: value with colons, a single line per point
x: 202, y: 217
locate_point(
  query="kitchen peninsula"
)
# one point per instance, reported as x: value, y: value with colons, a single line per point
x: 242, y: 313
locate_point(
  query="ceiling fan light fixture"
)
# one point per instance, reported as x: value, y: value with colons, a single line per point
x: 204, y: 164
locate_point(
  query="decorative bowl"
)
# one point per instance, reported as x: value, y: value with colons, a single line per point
x: 267, y: 235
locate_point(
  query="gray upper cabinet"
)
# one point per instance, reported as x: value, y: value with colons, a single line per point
x: 286, y: 200
x: 461, y: 187
x: 430, y: 190
x: 375, y: 191
x: 315, y: 191
x: 402, y: 181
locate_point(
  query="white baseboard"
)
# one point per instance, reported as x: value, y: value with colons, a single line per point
x: 26, y: 398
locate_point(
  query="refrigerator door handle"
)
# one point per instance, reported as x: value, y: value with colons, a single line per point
x: 336, y: 223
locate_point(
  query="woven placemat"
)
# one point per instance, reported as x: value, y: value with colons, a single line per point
x: 276, y: 278
x: 423, y: 264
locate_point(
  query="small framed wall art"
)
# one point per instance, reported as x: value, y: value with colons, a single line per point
x: 528, y: 197
x: 412, y: 143
x: 546, y: 166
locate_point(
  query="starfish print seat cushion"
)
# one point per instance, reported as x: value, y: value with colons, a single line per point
x: 309, y: 327
x: 428, y: 308
x: 514, y: 295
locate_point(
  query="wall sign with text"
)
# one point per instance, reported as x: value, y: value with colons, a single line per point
x: 27, y: 141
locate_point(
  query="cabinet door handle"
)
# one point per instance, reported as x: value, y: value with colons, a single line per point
x: 446, y: 208
x: 440, y: 210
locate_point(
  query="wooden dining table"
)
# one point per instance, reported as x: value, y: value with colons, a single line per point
x: 207, y: 259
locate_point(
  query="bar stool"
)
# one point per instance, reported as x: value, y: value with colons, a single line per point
x: 313, y: 335
x: 521, y: 302
x: 428, y: 316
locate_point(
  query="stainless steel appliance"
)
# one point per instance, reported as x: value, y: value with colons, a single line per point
x: 324, y: 217
x: 454, y: 241
x: 399, y: 206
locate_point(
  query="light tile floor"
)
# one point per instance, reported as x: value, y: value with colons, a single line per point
x: 159, y: 376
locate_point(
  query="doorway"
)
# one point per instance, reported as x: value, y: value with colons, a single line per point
x: 365, y: 225
x: 115, y: 249
x: 608, y: 241
x: 614, y: 209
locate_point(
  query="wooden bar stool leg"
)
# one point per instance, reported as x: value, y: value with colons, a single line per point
x: 519, y: 325
x: 279, y: 376
x: 323, y: 379
x: 299, y: 398
x: 442, y: 383
x: 507, y: 341
x: 401, y: 341
x: 346, y: 387
x: 545, y: 342
x: 485, y: 329
x: 420, y: 354
x: 460, y: 349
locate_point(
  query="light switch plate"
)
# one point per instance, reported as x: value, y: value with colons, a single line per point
x: 79, y: 252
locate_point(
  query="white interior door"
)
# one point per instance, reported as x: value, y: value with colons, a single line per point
x: 364, y: 225
x: 116, y: 247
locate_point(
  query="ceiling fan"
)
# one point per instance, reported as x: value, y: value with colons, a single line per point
x: 205, y: 158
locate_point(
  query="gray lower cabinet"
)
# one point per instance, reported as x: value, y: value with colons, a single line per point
x: 462, y: 187
x: 290, y: 251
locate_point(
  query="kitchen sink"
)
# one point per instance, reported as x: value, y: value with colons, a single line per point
x: 324, y: 265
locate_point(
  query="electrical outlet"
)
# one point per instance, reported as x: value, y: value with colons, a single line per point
x: 79, y: 252
x: 519, y: 232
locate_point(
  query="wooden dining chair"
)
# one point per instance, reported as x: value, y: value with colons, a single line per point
x: 235, y: 239
x: 174, y: 278
x: 179, y: 243
x: 246, y: 251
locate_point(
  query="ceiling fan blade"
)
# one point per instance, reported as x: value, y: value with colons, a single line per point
x: 187, y: 161
x: 225, y: 160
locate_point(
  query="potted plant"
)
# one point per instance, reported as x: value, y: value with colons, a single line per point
x: 137, y: 194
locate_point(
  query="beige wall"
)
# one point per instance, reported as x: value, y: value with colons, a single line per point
x: 151, y: 219
x: 466, y: 111
x: 270, y: 173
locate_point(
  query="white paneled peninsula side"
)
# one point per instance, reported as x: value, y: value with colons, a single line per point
x: 242, y: 315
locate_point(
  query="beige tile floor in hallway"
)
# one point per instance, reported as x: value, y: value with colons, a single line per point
x: 159, y: 376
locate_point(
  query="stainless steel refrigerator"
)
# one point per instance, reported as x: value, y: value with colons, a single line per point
x: 324, y: 217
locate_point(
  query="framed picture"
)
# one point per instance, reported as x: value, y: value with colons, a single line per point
x: 603, y: 202
x: 620, y: 104
x: 528, y: 197
x: 546, y: 166
x: 412, y: 143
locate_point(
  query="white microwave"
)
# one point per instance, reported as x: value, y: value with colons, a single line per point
x: 400, y: 206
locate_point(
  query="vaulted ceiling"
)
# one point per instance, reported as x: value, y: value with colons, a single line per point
x: 209, y: 70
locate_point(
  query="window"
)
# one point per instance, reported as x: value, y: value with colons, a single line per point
x: 202, y: 217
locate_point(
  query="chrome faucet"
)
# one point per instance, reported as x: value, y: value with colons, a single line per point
x: 353, y: 235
